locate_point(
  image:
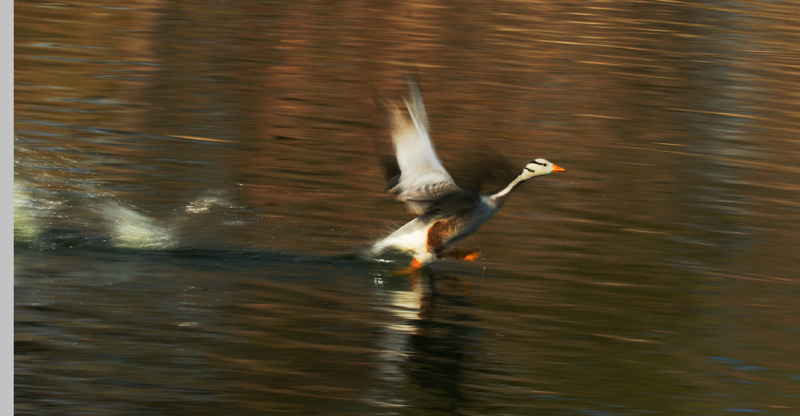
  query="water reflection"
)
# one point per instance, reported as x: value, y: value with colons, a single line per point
x: 424, y: 346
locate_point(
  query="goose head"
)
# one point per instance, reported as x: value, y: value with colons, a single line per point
x: 539, y: 167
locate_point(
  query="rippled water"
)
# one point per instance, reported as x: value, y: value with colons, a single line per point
x: 194, y: 182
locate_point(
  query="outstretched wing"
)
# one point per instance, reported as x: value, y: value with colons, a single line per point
x: 418, y: 178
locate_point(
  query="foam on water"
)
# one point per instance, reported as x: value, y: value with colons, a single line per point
x: 57, y: 199
x: 133, y: 229
x: 26, y: 225
x: 58, y: 202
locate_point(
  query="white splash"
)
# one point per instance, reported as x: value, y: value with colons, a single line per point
x: 132, y: 229
x: 27, y: 227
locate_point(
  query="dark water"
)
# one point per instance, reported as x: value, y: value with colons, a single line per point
x: 193, y: 181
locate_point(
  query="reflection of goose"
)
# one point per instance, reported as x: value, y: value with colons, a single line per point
x: 447, y: 212
x: 423, y: 342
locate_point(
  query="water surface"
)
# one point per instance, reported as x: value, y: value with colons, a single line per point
x: 194, y: 182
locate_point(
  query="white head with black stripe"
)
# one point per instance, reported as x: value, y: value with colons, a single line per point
x: 539, y: 167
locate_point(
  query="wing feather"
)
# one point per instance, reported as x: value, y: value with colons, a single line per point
x: 423, y: 179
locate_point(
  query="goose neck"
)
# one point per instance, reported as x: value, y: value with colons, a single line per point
x: 505, y: 192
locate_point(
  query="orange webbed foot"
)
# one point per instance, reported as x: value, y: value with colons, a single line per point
x: 413, y: 267
x: 473, y: 256
x: 464, y: 254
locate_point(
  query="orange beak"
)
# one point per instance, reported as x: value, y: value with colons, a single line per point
x: 557, y: 168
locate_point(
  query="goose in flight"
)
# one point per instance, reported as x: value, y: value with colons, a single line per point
x: 446, y: 213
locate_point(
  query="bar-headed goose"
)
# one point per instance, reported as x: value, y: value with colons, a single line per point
x: 446, y: 212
